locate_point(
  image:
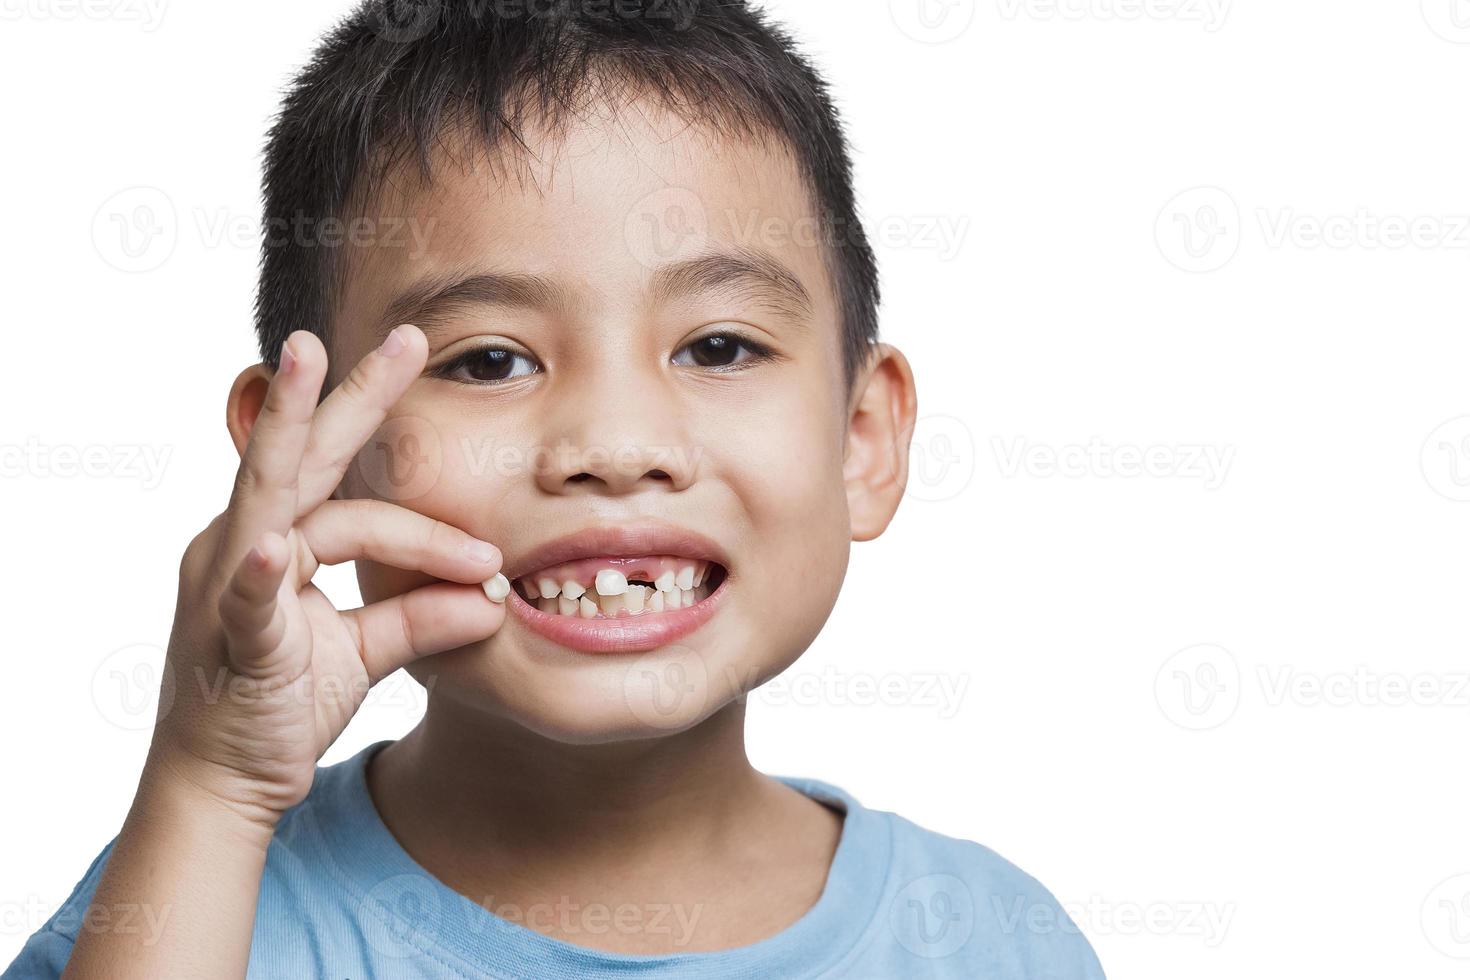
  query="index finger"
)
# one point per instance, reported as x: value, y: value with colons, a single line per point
x: 354, y: 411
x: 265, y: 491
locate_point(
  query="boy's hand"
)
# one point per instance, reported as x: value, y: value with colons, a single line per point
x: 267, y: 672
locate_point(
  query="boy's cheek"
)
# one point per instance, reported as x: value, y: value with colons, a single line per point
x: 458, y: 476
x: 769, y: 477
x: 783, y: 460
x: 787, y: 482
x: 377, y: 582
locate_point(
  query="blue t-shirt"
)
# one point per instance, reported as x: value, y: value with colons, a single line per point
x: 340, y: 898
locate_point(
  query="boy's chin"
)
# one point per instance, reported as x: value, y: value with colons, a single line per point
x: 586, y: 699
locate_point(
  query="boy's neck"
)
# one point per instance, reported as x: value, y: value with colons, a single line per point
x: 461, y: 770
x: 505, y: 816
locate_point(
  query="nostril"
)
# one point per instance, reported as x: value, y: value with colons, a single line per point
x: 575, y: 479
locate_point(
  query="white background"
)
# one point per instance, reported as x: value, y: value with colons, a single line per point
x: 1219, y: 707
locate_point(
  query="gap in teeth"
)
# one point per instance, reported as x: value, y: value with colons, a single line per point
x: 676, y: 584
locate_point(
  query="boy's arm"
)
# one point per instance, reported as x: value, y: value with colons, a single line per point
x: 264, y: 672
x: 192, y: 863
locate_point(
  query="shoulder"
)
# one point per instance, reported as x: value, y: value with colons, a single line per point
x: 45, y: 953
x: 999, y: 919
x: 293, y: 870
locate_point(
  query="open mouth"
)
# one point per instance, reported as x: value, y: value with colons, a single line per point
x: 617, y: 588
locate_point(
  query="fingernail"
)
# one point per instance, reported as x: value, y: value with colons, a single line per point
x: 480, y: 550
x: 497, y: 588
x: 287, y: 359
x: 392, y: 344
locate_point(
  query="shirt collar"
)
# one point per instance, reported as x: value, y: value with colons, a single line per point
x: 404, y: 912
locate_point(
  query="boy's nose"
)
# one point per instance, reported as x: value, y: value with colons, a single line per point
x: 615, y: 439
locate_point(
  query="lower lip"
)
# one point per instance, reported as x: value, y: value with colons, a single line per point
x: 619, y: 634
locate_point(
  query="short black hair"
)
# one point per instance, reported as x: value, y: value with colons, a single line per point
x: 387, y: 83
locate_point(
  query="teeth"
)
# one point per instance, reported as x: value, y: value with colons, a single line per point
x: 497, y: 588
x: 611, y: 582
x: 611, y: 594
x: 634, y: 598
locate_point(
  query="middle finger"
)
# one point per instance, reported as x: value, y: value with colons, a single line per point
x: 354, y: 411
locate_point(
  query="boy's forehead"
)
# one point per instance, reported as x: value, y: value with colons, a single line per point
x: 601, y: 205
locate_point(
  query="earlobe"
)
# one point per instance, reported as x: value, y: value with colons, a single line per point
x: 878, y: 434
x: 247, y: 396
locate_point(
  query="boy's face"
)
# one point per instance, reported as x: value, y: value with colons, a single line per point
x: 610, y: 426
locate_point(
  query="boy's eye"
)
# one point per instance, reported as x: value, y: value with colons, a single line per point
x: 487, y: 365
x: 720, y: 350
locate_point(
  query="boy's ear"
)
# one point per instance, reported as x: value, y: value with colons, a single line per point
x: 876, y: 464
x: 247, y: 397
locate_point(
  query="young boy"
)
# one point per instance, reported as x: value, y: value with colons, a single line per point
x: 605, y: 409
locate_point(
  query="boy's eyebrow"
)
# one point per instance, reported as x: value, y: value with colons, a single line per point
x: 424, y: 303
x: 752, y: 273
x: 755, y: 274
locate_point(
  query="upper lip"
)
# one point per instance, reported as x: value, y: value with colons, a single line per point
x: 615, y: 541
